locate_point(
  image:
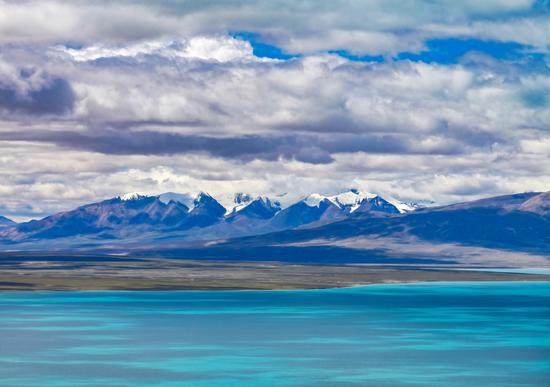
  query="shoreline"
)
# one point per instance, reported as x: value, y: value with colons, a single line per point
x: 187, y: 275
x: 368, y: 285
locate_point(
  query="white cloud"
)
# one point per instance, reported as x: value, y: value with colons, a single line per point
x: 415, y: 131
x: 531, y: 31
x: 316, y: 93
x: 355, y: 41
x: 467, y: 131
x: 373, y: 27
x: 218, y: 48
x: 539, y: 146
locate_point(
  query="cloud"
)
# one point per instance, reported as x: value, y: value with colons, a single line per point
x: 379, y: 26
x: 98, y: 98
x: 529, y: 30
x: 29, y: 91
x: 56, y: 97
x: 51, y: 179
x: 321, y: 94
x: 218, y: 48
x: 353, y: 41
x: 312, y: 149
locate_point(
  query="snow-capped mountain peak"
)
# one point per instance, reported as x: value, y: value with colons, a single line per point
x: 259, y: 208
x: 401, y: 207
x: 183, y: 198
x: 206, y: 202
x: 203, y: 195
x: 314, y: 200
x: 268, y: 203
x: 243, y: 201
x: 131, y: 196
x: 349, y: 200
x: 352, y: 199
x: 240, y: 201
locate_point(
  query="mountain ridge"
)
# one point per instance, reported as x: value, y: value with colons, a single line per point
x: 135, y: 214
x: 6, y: 222
x: 515, y: 225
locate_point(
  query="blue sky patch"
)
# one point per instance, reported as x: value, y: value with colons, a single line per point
x: 260, y: 49
x: 358, y: 58
x: 539, y: 98
x: 443, y: 51
x: 449, y: 51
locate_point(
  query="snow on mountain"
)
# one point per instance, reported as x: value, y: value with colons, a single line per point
x: 240, y: 201
x: 261, y: 208
x: 377, y: 204
x: 349, y: 201
x: 198, y: 216
x: 112, y: 218
x: 401, y: 207
x: 183, y: 198
x: 131, y: 196
x: 204, y: 197
x: 205, y: 211
x: 314, y: 200
x: 352, y: 200
x: 312, y: 209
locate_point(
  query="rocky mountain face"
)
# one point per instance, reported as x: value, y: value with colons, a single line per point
x: 512, y: 230
x: 101, y: 218
x: 518, y: 221
x: 182, y: 215
x: 509, y: 222
x: 538, y: 204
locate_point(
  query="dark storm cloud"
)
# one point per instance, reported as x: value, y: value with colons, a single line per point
x: 470, y: 136
x: 55, y: 97
x: 119, y: 142
x: 306, y: 148
x: 337, y: 123
x: 160, y: 123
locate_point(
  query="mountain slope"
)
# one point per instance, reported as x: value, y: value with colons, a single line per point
x: 5, y: 222
x: 172, y: 216
x: 495, y: 222
x: 126, y: 212
x: 248, y: 217
x: 538, y: 204
x: 495, y: 231
x: 304, y: 212
x: 516, y: 227
x: 377, y: 204
x: 259, y: 208
x: 205, y: 212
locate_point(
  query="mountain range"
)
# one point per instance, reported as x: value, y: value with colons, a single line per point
x: 352, y: 226
x: 200, y: 217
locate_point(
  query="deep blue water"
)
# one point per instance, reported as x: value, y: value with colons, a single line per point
x: 383, y: 335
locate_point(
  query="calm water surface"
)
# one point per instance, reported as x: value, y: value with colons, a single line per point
x: 384, y: 335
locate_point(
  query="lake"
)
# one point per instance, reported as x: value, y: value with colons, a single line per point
x: 441, y: 334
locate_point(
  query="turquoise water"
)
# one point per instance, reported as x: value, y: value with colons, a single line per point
x: 517, y: 270
x: 384, y: 335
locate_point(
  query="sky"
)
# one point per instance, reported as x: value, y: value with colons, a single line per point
x: 440, y: 101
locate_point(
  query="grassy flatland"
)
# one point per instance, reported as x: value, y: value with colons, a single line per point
x: 111, y: 273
